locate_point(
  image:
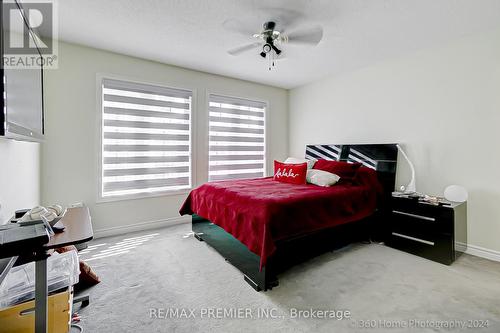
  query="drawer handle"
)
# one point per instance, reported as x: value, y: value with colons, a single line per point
x: 413, y: 238
x: 415, y: 216
x: 27, y: 312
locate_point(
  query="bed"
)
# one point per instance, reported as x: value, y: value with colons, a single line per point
x: 263, y: 227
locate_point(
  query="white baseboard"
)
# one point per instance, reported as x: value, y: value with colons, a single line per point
x: 478, y: 251
x: 120, y: 230
x: 461, y: 247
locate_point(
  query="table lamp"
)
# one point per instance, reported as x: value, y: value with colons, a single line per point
x: 410, y: 188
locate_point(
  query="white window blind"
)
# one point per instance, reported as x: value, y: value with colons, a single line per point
x: 146, y: 139
x: 236, y: 138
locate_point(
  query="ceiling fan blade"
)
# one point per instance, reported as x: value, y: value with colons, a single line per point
x: 237, y: 26
x: 309, y: 36
x: 241, y: 49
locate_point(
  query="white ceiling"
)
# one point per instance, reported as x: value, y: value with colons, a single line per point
x: 189, y: 33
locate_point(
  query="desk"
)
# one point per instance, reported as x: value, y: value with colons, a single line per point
x: 78, y: 230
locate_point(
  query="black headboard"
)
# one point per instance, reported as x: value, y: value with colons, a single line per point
x: 380, y: 157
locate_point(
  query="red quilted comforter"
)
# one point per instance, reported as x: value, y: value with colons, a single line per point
x: 260, y: 212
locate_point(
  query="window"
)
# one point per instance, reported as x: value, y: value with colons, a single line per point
x: 146, y: 139
x: 236, y: 138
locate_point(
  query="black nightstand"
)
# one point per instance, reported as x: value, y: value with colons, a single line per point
x: 437, y: 233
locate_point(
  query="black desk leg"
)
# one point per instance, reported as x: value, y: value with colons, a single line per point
x: 41, y: 293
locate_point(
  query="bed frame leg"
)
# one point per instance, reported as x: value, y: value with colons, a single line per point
x: 272, y: 284
x: 268, y: 285
x: 252, y: 284
x: 198, y: 237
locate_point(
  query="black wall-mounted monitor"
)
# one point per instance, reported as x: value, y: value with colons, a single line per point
x: 22, y: 107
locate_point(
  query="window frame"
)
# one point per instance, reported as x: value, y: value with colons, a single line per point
x: 209, y: 92
x: 100, y: 77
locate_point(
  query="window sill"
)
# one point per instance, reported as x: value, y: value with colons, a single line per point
x: 101, y: 200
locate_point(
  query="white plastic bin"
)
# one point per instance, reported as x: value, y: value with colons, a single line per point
x: 18, y: 286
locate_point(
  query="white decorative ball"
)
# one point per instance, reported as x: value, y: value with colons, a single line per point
x: 456, y: 193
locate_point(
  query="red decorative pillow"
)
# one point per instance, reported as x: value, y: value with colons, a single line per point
x: 290, y: 173
x: 344, y: 170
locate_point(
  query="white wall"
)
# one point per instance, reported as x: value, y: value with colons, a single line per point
x: 443, y: 104
x: 19, y: 177
x: 70, y: 152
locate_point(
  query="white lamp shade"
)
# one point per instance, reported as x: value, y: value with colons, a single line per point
x: 456, y: 193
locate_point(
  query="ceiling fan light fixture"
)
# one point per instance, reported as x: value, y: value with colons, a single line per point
x: 271, y: 36
x: 269, y: 25
x: 266, y: 48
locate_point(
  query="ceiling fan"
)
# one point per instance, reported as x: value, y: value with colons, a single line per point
x: 274, y: 35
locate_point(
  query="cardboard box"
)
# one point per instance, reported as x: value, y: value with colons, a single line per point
x: 21, y: 318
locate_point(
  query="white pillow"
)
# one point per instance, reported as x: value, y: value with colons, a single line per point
x: 294, y: 160
x: 321, y: 178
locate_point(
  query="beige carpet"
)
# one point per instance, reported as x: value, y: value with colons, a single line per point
x: 148, y: 276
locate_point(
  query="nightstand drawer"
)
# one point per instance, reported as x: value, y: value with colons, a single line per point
x: 422, y: 211
x: 438, y: 248
x: 417, y: 222
x: 416, y: 226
